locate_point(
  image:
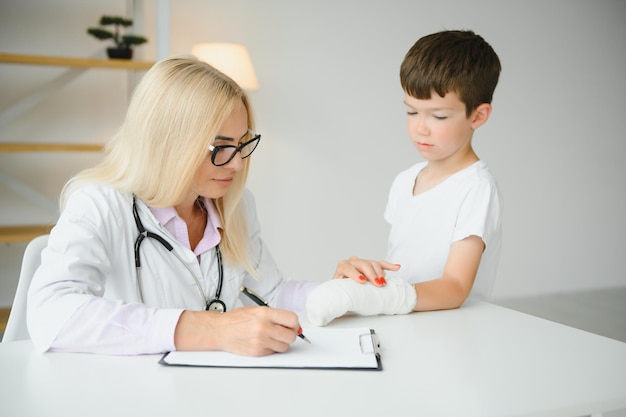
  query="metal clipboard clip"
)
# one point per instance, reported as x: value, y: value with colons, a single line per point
x: 369, y: 343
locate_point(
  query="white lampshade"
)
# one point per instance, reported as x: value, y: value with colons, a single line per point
x: 230, y: 58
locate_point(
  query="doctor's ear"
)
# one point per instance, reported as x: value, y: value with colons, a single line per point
x: 480, y: 115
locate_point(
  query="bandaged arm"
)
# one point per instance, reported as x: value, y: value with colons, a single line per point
x: 336, y: 297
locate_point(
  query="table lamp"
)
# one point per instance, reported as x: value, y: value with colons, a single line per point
x: 230, y: 58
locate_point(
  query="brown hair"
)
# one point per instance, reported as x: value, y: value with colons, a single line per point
x: 451, y: 61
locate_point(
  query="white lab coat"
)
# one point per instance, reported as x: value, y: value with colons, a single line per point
x: 84, y: 296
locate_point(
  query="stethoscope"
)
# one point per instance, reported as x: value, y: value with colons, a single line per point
x: 214, y: 305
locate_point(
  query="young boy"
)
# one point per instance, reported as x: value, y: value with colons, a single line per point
x: 445, y: 213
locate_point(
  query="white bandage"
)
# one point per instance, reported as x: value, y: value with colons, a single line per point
x: 336, y: 297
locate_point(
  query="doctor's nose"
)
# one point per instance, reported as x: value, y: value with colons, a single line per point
x: 236, y: 163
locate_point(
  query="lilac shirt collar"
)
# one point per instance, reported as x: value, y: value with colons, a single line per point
x: 169, y: 218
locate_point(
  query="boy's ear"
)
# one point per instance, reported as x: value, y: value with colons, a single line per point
x: 481, y: 115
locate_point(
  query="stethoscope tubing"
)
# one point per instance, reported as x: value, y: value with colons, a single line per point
x: 216, y: 304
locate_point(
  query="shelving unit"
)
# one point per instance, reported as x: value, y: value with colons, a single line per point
x: 7, y: 147
x: 14, y: 234
x: 25, y: 233
x: 74, y: 62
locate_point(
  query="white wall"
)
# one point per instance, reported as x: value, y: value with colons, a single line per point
x: 331, y: 114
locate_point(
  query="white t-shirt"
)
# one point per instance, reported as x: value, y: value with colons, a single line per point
x: 424, y: 226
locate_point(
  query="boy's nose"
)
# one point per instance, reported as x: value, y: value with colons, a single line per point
x: 420, y: 127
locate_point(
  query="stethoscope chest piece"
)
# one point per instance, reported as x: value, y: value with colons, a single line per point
x: 216, y: 305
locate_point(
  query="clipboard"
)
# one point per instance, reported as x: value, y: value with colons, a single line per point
x: 331, y: 349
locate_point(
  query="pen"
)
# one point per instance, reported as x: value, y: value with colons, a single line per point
x: 259, y: 301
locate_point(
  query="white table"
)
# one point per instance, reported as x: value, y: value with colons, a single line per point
x: 479, y: 360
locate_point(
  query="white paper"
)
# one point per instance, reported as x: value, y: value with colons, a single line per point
x: 329, y: 348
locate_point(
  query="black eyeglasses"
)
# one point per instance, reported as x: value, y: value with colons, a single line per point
x: 223, y: 154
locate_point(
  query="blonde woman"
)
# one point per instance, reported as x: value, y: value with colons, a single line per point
x: 153, y: 244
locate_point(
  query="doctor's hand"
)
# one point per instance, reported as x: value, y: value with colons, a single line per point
x: 249, y: 331
x: 364, y: 270
x: 336, y: 297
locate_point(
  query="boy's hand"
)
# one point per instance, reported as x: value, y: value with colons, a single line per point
x: 336, y: 297
x: 363, y: 270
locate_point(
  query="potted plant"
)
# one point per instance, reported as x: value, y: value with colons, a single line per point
x: 123, y: 43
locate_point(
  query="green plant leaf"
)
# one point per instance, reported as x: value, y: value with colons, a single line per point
x: 115, y: 20
x: 100, y: 33
x: 133, y: 39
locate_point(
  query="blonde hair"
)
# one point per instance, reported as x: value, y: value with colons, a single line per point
x: 174, y: 115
